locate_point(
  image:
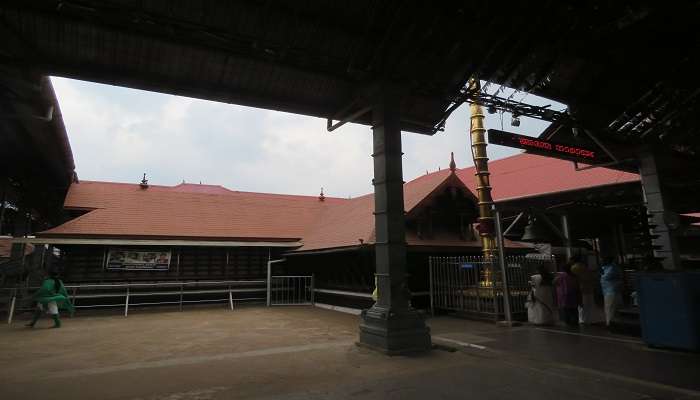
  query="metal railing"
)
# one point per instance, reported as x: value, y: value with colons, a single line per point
x: 473, y: 285
x: 287, y: 290
x: 134, y: 294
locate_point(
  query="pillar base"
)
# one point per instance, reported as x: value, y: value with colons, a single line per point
x: 394, y: 332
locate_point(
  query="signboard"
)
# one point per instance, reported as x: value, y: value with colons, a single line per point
x: 547, y: 148
x: 146, y: 260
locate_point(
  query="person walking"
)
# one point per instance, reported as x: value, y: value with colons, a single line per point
x: 568, y: 296
x: 611, y: 283
x: 51, y: 296
x: 540, y: 301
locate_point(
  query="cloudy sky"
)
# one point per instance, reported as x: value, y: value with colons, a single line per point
x: 117, y: 134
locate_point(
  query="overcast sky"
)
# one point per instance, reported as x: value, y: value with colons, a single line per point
x: 117, y: 134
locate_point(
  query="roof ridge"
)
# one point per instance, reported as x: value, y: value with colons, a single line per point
x: 212, y: 194
x: 200, y: 184
x: 288, y: 195
x: 82, y: 181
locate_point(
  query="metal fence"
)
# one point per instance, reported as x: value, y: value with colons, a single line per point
x: 281, y: 290
x: 285, y: 290
x: 129, y: 295
x: 473, y: 285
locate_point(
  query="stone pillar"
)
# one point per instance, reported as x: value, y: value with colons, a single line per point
x: 391, y: 325
x: 663, y: 220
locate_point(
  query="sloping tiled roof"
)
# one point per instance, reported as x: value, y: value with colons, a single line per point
x: 418, y: 189
x: 127, y: 210
x: 200, y: 188
x: 348, y: 223
x: 214, y: 212
x: 342, y: 225
x: 526, y: 175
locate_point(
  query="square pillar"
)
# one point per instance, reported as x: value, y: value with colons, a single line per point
x: 664, y: 239
x: 391, y: 325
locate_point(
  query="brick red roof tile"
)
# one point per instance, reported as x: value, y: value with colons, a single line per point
x: 214, y: 212
x: 127, y: 210
x: 200, y: 188
x: 526, y: 175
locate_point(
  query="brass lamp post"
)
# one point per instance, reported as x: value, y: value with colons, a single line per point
x: 481, y: 167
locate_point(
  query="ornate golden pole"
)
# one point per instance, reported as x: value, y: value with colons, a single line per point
x: 483, y: 187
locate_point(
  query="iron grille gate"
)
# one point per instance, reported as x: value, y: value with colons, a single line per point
x: 290, y: 290
x: 473, y: 285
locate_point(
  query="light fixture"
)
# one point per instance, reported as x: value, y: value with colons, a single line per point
x: 492, y: 109
x: 515, y: 120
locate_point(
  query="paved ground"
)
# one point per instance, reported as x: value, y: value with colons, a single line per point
x: 309, y: 353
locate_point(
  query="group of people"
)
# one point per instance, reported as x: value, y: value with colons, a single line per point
x: 569, y: 296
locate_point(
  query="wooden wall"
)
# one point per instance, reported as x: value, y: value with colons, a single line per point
x: 86, y: 264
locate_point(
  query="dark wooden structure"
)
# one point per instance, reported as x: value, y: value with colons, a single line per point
x: 83, y: 264
x: 36, y: 161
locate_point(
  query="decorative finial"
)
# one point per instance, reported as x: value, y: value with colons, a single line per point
x: 453, y: 165
x: 144, y: 182
x: 321, y: 197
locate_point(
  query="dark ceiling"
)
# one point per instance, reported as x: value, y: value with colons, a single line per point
x: 627, y: 69
x: 36, y: 161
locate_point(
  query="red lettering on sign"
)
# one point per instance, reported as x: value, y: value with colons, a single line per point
x: 575, y: 151
x: 535, y: 143
x: 544, y: 147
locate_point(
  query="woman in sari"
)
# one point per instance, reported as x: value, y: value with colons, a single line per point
x: 540, y: 301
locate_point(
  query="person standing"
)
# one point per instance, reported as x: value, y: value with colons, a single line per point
x: 611, y: 283
x: 568, y: 296
x: 51, y: 296
x: 587, y: 283
x: 540, y: 301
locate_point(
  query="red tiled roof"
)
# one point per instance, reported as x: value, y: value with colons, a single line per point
x: 342, y: 225
x: 127, y: 210
x: 214, y: 212
x: 525, y: 175
x: 418, y: 189
x: 200, y: 188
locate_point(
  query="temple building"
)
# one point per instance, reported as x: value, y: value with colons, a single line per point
x: 142, y: 232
